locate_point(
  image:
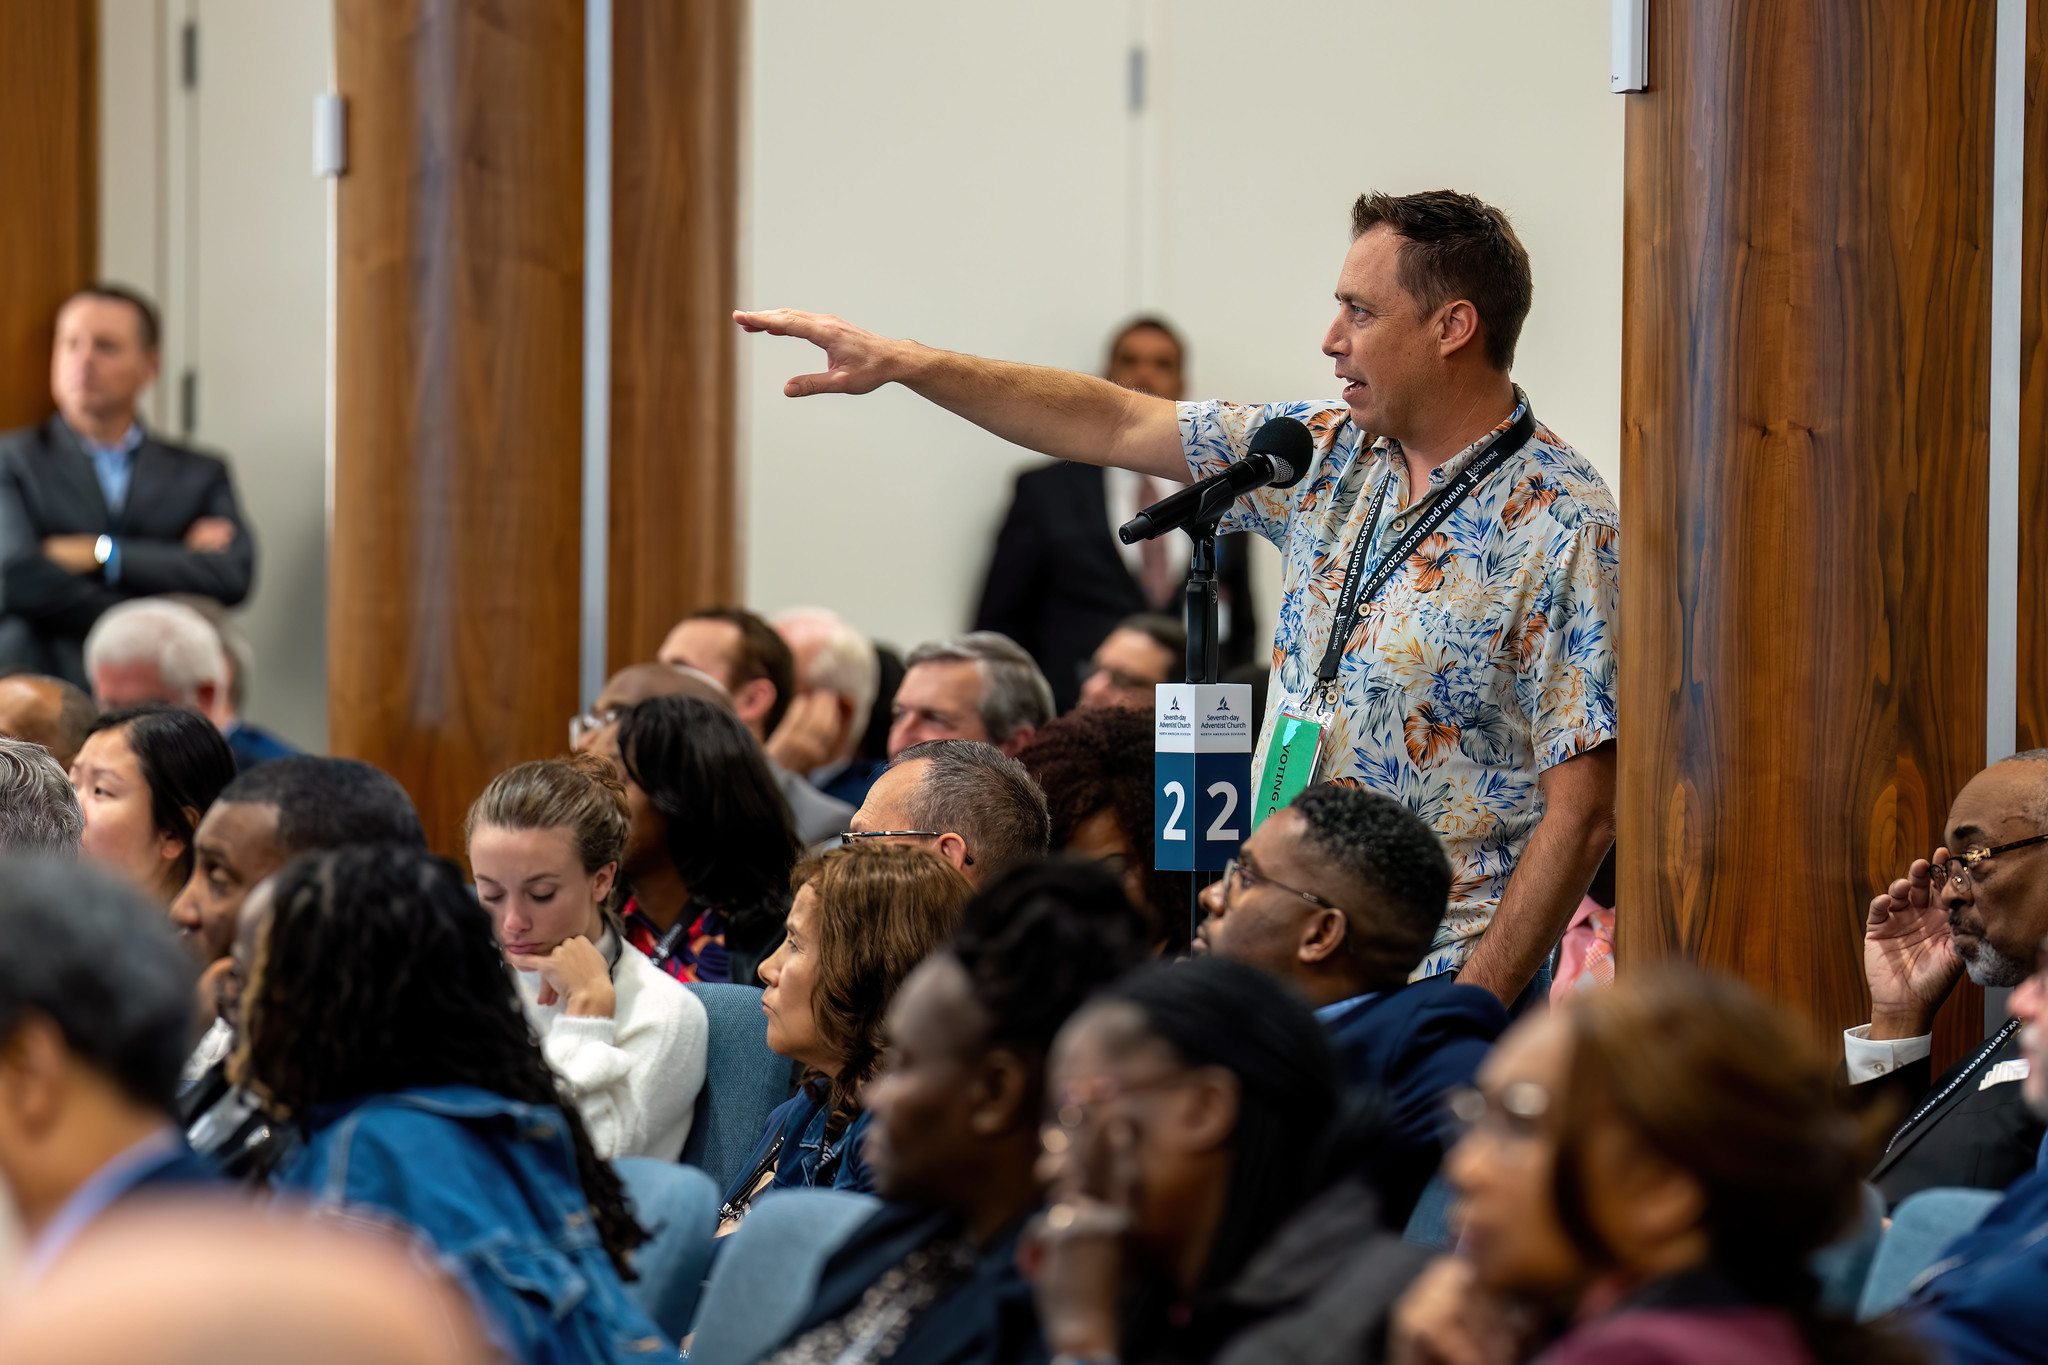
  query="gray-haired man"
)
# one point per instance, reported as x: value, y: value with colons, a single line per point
x: 980, y: 686
x: 971, y: 802
x: 38, y: 810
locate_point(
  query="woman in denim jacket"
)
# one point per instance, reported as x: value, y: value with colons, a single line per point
x: 863, y: 916
x: 379, y: 1016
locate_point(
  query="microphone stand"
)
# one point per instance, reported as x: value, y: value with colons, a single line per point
x: 1205, y: 656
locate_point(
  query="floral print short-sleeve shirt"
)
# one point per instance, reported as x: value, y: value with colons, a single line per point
x: 1486, y: 658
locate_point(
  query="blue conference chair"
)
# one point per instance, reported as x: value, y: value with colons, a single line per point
x: 1923, y: 1226
x: 767, y: 1272
x: 743, y: 1082
x: 679, y: 1206
x: 1842, y: 1267
x: 1430, y: 1224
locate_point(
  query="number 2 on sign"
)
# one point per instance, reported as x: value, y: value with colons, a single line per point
x: 1173, y: 828
x: 1228, y: 792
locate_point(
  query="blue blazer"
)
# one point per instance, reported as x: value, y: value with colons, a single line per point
x: 991, y: 1319
x: 1410, y: 1046
x: 491, y: 1185
x: 1986, y: 1299
x: 794, y: 1141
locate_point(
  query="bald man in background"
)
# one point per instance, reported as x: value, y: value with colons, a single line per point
x: 192, y: 1281
x: 46, y: 711
x: 636, y: 683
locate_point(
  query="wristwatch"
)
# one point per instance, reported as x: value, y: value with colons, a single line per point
x: 103, y: 550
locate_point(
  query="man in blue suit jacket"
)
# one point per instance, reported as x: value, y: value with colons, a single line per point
x: 95, y: 1012
x: 1986, y: 1299
x: 1341, y: 893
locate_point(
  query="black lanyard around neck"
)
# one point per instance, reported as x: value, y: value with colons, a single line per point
x: 1359, y: 589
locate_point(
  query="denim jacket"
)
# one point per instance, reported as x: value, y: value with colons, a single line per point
x: 794, y: 1143
x: 491, y: 1185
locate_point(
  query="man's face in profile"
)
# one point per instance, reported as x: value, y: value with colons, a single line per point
x: 1148, y: 360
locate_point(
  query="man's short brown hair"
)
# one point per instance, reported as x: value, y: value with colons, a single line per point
x: 761, y: 654
x: 147, y: 327
x: 1454, y: 246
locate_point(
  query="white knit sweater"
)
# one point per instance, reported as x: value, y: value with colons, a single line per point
x: 634, y: 1076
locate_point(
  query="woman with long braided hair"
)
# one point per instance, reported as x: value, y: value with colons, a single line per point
x: 379, y: 1018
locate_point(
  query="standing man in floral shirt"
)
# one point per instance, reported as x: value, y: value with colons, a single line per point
x: 1465, y: 557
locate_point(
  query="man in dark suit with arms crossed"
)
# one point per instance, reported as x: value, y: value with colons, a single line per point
x: 94, y: 509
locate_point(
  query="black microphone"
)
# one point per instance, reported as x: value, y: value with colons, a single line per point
x: 1281, y: 453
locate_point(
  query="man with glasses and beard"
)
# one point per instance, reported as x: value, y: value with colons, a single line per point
x: 1979, y: 905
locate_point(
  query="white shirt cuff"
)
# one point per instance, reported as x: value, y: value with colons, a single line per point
x: 1869, y: 1059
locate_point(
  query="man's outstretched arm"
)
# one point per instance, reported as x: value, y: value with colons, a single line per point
x: 1058, y: 413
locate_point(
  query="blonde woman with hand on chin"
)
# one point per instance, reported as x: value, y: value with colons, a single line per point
x: 627, y: 1040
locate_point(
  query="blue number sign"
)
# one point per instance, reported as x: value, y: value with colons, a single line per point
x: 1202, y: 774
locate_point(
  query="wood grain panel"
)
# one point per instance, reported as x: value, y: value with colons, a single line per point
x: 1804, y: 446
x: 2033, y: 593
x: 675, y: 168
x: 49, y: 186
x: 453, y: 580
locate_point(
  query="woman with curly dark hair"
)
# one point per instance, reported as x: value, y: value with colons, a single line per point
x: 1095, y: 765
x: 863, y: 917
x: 378, y: 1017
x: 708, y: 855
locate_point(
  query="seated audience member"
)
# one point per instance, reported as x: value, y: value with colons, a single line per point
x: 753, y: 664
x: 1201, y: 1211
x: 1644, y: 1173
x: 971, y: 803
x: 95, y: 1008
x: 838, y: 673
x: 261, y: 821
x: 874, y: 742
x: 46, y: 711
x: 980, y: 686
x: 38, y: 810
x: 1142, y: 652
x: 145, y: 777
x: 545, y: 840
x: 202, y: 1280
x: 380, y: 1018
x: 953, y: 1138
x: 252, y: 743
x: 1988, y: 1299
x: 588, y: 733
x: 157, y: 649
x: 1339, y: 895
x: 862, y: 918
x: 1979, y: 906
x: 1095, y: 768
x: 72, y: 541
x: 708, y: 856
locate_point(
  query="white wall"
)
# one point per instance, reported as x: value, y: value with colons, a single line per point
x: 972, y: 176
x: 208, y: 202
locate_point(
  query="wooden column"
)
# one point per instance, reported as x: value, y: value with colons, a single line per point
x: 2033, y: 595
x: 675, y: 168
x: 49, y: 175
x: 457, y: 483
x: 1804, y: 459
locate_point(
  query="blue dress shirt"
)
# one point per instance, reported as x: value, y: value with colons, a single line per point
x: 114, y: 465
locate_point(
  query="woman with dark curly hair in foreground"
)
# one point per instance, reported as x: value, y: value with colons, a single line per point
x: 379, y: 1017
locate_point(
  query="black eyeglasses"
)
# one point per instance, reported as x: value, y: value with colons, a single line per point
x: 1236, y: 874
x: 851, y: 836
x: 1960, y: 870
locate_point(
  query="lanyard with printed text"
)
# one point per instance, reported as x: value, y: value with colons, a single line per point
x: 1359, y: 589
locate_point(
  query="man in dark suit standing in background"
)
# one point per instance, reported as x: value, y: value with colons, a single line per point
x: 1060, y: 580
x: 95, y: 510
